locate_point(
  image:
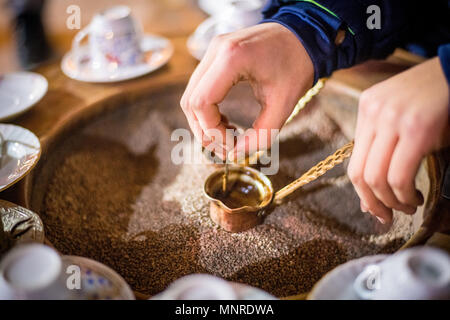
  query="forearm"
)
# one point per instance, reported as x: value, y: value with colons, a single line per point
x: 317, y: 23
x: 444, y: 57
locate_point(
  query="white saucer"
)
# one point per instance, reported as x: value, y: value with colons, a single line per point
x: 19, y: 91
x: 157, y: 50
x: 21, y: 150
x: 338, y: 283
x: 99, y: 282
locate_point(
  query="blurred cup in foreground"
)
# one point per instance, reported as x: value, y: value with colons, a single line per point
x: 32, y: 271
x: 416, y: 273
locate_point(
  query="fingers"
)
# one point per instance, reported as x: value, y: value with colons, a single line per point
x: 197, y: 130
x: 211, y: 90
x: 208, y: 86
x: 369, y: 202
x: 250, y: 141
x: 200, y: 70
x: 377, y: 165
x: 387, y: 156
x: 372, y: 205
x: 198, y: 73
x: 402, y: 171
x: 264, y: 130
x: 365, y: 136
x: 415, y: 138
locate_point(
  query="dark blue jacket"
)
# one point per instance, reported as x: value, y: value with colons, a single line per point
x: 420, y: 26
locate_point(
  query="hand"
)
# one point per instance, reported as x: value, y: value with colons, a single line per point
x: 275, y: 63
x: 400, y: 121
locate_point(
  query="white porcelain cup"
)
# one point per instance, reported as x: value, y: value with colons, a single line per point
x: 33, y: 271
x: 114, y: 39
x: 411, y: 274
x: 198, y: 287
x: 232, y: 16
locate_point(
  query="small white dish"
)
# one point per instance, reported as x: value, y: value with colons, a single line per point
x: 20, y: 151
x: 157, y: 50
x: 19, y: 91
x: 99, y: 282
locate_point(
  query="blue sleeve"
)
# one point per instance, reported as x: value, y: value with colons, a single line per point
x: 444, y: 57
x: 316, y: 24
